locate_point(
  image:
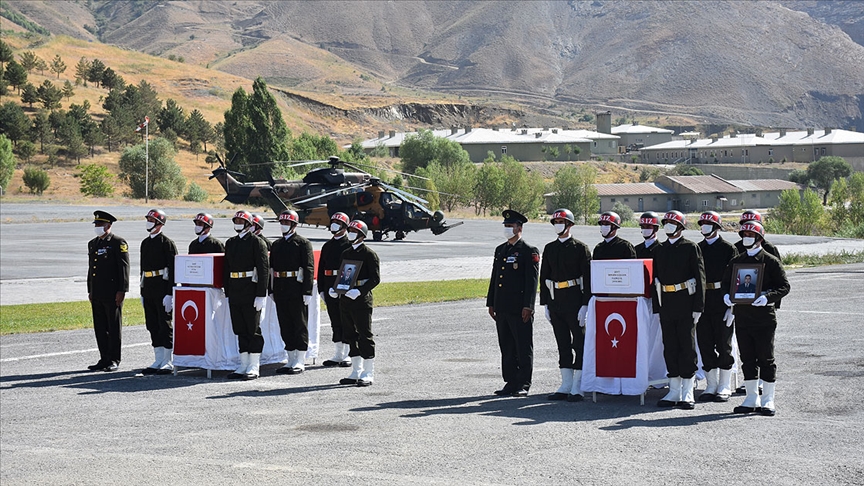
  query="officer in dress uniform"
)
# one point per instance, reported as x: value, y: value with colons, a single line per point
x: 291, y: 266
x: 204, y: 243
x: 245, y: 279
x: 756, y: 323
x: 356, y: 306
x: 649, y: 223
x: 679, y: 298
x: 328, y: 270
x: 107, y: 284
x: 157, y: 283
x: 510, y: 300
x: 612, y: 247
x: 714, y: 330
x: 565, y: 291
x: 258, y: 229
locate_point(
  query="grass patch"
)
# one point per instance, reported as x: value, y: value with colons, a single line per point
x: 833, y: 258
x: 63, y: 316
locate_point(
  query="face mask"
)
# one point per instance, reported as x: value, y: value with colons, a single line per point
x: 670, y: 228
x: 199, y: 229
x: 150, y: 226
x: 239, y: 227
x: 560, y: 228
x: 286, y: 228
x: 707, y: 229
x: 509, y: 233
x: 335, y: 227
x: 748, y: 241
x: 605, y: 229
x: 647, y: 233
x: 99, y: 230
x: 352, y: 236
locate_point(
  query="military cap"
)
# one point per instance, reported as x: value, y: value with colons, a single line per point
x: 511, y: 216
x: 102, y: 217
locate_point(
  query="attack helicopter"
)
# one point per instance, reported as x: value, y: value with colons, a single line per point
x: 327, y: 190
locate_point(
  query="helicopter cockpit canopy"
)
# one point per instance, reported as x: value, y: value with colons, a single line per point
x: 325, y: 175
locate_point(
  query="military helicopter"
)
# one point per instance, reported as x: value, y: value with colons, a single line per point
x: 327, y: 190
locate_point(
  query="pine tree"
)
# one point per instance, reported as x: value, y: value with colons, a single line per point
x: 68, y: 91
x: 82, y: 71
x: 58, y: 66
x: 28, y: 60
x: 29, y: 94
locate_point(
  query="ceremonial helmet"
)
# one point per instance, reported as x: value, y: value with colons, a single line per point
x: 341, y: 218
x: 563, y: 214
x: 752, y: 226
x: 611, y: 218
x: 158, y: 215
x: 359, y: 226
x: 244, y: 215
x: 289, y: 216
x: 258, y: 221
x: 649, y: 218
x: 750, y: 215
x: 710, y: 217
x: 675, y: 217
x: 204, y: 219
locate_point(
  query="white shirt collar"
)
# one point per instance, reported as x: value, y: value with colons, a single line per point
x: 564, y: 239
x: 202, y: 237
x: 607, y: 240
x: 154, y: 235
x: 650, y: 241
x: 754, y: 251
x: 339, y: 237
x: 673, y: 240
x: 711, y: 241
x: 288, y: 236
x: 356, y: 245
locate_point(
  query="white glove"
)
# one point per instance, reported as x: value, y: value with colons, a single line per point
x: 307, y: 299
x: 142, y: 301
x: 727, y: 301
x: 332, y: 293
x: 259, y: 303
x: 321, y: 294
x: 272, y: 298
x: 583, y: 313
x: 548, y: 315
x: 352, y: 294
x: 696, y: 316
x: 762, y: 301
x: 729, y: 317
x: 168, y: 302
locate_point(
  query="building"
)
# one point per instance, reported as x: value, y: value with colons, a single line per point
x: 638, y: 136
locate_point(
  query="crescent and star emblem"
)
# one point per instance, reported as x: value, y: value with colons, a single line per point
x: 193, y: 305
x: 616, y: 317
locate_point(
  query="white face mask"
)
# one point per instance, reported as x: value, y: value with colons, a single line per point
x: 670, y: 228
x: 509, y: 232
x: 150, y: 226
x: 99, y: 230
x: 748, y: 241
x: 239, y: 227
x: 352, y: 236
x: 647, y: 233
x: 560, y: 228
x: 707, y: 229
x: 605, y: 229
x: 199, y: 229
x: 335, y: 227
x: 286, y: 228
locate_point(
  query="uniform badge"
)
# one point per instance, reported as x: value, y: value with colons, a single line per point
x: 515, y: 266
x: 124, y: 248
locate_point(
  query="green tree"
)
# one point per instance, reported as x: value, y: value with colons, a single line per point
x: 96, y: 181
x: 41, y: 66
x: 15, y: 75
x: 49, y: 95
x: 624, y: 211
x: 41, y: 129
x: 839, y: 214
x: 171, y: 116
x: 195, y: 193
x: 255, y: 133
x: 4, y: 85
x: 418, y: 150
x: 26, y: 150
x: 29, y: 94
x: 13, y: 122
x: 7, y: 162
x: 75, y: 147
x: 96, y: 71
x: 566, y: 188
x: 685, y: 170
x: 6, y: 54
x: 822, y: 174
x: 489, y: 187
x: 588, y: 202
x: 165, y: 179
x: 856, y: 199
x: 112, y: 131
x: 197, y: 128
x: 68, y: 90
x: 798, y: 214
x: 455, y: 182
x: 110, y: 79
x: 36, y: 180
x: 82, y: 71
x: 523, y: 190
x: 29, y: 59
x: 58, y: 66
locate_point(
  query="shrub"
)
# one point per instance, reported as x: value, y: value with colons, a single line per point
x: 195, y: 193
x: 36, y: 180
x: 625, y: 212
x: 96, y: 181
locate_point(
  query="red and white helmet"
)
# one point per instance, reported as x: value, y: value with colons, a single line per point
x: 754, y: 227
x: 675, y: 217
x: 649, y: 218
x: 158, y: 215
x: 244, y: 215
x: 611, y: 218
x: 204, y: 219
x: 710, y: 217
x: 258, y: 221
x: 340, y: 218
x: 565, y: 214
x: 750, y: 215
x: 289, y: 216
x: 359, y: 226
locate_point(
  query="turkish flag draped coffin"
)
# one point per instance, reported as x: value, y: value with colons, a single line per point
x: 616, y: 336
x: 190, y: 322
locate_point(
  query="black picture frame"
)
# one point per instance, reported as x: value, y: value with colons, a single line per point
x: 746, y: 284
x: 347, y: 277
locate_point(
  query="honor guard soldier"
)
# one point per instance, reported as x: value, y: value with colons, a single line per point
x: 258, y: 222
x: 328, y: 269
x: 714, y: 329
x: 679, y: 298
x: 204, y: 243
x: 510, y: 299
x: 564, y: 290
x: 107, y: 284
x: 157, y: 284
x: 751, y: 215
x: 292, y: 267
x: 356, y: 305
x: 245, y: 279
x: 612, y: 247
x: 649, y: 223
x: 756, y: 323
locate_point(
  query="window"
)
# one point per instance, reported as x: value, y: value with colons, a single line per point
x: 595, y: 143
x: 626, y: 199
x: 753, y: 195
x: 733, y: 202
x: 704, y: 203
x: 725, y: 153
x: 612, y: 200
x: 823, y: 150
x: 770, y: 152
x: 503, y: 149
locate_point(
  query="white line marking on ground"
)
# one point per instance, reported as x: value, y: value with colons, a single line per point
x: 63, y: 353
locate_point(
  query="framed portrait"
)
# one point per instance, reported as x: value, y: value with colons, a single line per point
x: 347, y: 276
x: 746, y: 282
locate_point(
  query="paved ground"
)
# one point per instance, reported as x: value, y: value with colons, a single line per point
x: 430, y: 418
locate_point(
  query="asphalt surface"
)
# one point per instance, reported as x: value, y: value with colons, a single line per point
x: 430, y: 417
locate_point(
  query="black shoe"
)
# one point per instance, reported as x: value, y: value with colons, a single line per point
x: 348, y: 381
x: 666, y: 403
x: 330, y: 363
x: 767, y: 412
x: 520, y: 393
x: 345, y: 364
x: 721, y: 398
x: 740, y: 409
x: 111, y: 367
x: 686, y: 405
x: 98, y: 366
x: 249, y: 377
x: 575, y: 398
x: 235, y: 376
x: 364, y: 382
x: 285, y: 371
x: 149, y: 371
x: 741, y: 390
x: 507, y: 390
x: 166, y: 371
x: 557, y: 396
x: 708, y: 397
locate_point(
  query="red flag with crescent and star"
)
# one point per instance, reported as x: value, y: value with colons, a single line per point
x: 190, y: 307
x: 615, y: 339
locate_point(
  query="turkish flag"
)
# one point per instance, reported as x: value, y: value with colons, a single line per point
x: 615, y: 339
x: 190, y: 310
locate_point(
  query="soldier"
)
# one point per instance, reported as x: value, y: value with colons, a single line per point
x: 714, y: 330
x: 612, y: 247
x: 107, y: 284
x: 328, y: 270
x: 753, y: 215
x: 649, y: 222
x: 258, y: 222
x: 204, y: 243
x: 356, y: 305
x: 565, y: 291
x: 756, y: 323
x: 679, y: 298
x: 157, y: 283
x: 245, y: 279
x: 510, y: 300
x: 292, y: 264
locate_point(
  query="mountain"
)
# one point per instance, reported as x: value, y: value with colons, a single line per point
x: 786, y: 63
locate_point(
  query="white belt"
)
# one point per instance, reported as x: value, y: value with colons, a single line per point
x: 712, y: 285
x: 552, y: 285
x: 154, y: 273
x: 284, y: 274
x: 362, y: 282
x: 241, y: 274
x: 331, y: 273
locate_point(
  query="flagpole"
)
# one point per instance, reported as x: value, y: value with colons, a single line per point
x: 147, y: 161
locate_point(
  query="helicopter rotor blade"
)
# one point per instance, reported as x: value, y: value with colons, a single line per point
x: 428, y: 190
x: 405, y: 195
x: 325, y: 194
x: 390, y: 170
